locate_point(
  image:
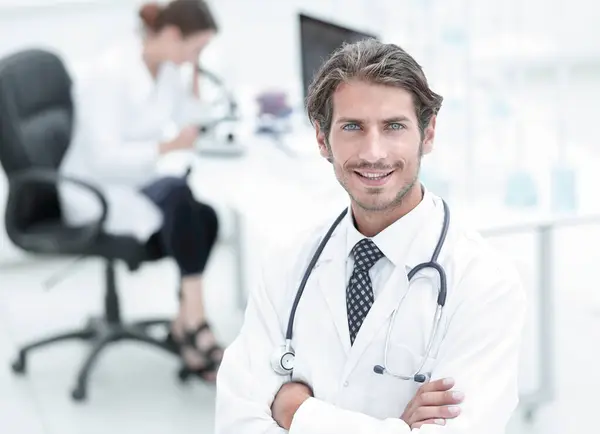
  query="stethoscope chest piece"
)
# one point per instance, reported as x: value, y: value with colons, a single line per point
x: 283, y: 360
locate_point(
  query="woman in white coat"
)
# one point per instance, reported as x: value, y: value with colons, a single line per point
x: 130, y: 108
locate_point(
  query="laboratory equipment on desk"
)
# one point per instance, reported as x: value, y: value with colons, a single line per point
x: 220, y: 136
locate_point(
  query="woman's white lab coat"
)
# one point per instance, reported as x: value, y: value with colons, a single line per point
x: 478, y: 344
x: 121, y: 114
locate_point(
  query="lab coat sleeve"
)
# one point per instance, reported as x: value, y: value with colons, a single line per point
x: 101, y: 115
x: 246, y: 384
x: 480, y: 350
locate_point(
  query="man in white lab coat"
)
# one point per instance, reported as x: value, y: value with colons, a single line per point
x: 375, y: 118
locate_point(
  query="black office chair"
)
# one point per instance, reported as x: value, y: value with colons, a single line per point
x: 36, y: 121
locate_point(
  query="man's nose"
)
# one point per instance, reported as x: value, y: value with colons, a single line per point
x: 373, y: 149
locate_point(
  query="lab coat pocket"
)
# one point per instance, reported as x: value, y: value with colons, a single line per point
x: 403, y: 360
x: 389, y: 395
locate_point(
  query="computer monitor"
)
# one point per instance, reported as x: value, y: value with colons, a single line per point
x: 318, y: 39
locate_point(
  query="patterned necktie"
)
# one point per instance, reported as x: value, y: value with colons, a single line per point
x: 359, y: 294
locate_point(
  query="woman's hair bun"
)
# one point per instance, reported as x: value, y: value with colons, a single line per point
x: 189, y: 16
x: 149, y: 13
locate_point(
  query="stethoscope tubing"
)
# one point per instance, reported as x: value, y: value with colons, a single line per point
x: 441, y: 300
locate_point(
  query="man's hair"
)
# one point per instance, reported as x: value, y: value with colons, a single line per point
x: 375, y: 62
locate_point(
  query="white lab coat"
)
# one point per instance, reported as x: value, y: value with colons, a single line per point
x: 121, y: 114
x: 478, y: 343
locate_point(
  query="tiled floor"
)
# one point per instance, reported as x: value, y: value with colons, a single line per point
x: 134, y: 389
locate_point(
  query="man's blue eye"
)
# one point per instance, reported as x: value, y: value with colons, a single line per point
x: 351, y: 127
x: 396, y: 126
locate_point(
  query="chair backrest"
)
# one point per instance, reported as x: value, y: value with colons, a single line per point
x: 36, y: 111
x: 36, y: 120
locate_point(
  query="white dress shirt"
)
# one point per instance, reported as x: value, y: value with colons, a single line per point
x: 394, y: 242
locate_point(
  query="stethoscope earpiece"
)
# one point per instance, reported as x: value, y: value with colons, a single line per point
x: 378, y: 369
x: 420, y: 378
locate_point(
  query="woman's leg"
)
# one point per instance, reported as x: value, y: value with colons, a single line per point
x: 205, y: 222
x: 188, y: 235
x: 194, y: 312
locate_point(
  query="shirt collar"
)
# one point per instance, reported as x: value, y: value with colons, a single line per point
x: 395, y: 240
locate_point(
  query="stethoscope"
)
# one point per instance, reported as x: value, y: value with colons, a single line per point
x: 284, y: 356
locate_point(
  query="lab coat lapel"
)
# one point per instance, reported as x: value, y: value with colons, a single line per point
x: 377, y: 319
x: 330, y: 274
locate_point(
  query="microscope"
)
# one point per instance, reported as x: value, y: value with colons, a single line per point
x: 218, y: 136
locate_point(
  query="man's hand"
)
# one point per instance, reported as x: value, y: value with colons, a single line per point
x: 288, y: 400
x: 433, y: 404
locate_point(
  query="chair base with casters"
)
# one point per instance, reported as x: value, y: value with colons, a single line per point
x: 100, y: 332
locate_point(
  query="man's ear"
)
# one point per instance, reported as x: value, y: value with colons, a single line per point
x: 322, y: 141
x: 429, y: 136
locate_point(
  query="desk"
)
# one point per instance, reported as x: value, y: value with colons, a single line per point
x: 269, y: 188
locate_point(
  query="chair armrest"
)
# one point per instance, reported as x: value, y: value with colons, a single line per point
x: 52, y: 177
x: 18, y: 185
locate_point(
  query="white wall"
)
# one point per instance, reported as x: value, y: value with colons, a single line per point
x: 258, y: 47
x: 261, y: 45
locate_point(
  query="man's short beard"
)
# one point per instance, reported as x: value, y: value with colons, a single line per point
x: 401, y: 194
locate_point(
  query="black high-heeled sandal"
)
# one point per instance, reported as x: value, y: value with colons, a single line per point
x: 212, y: 356
x: 172, y: 343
